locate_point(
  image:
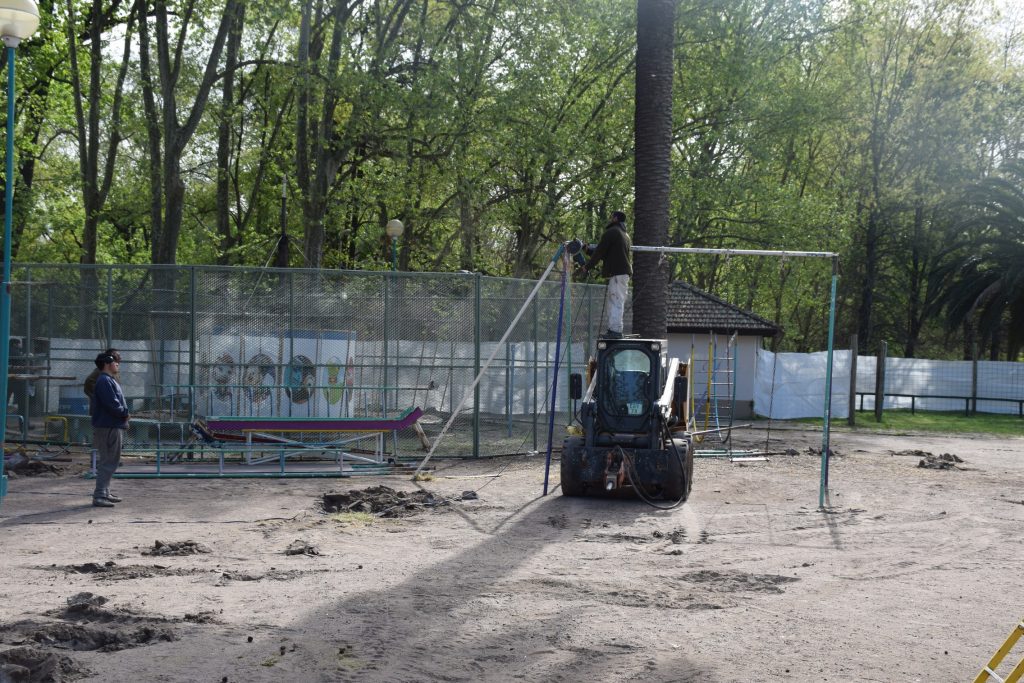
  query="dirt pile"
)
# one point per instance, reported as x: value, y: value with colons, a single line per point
x: 300, y: 547
x: 24, y: 464
x: 84, y: 624
x: 36, y: 665
x: 382, y: 501
x: 111, y: 571
x: 188, y: 547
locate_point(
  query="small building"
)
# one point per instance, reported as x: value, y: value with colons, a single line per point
x: 700, y: 326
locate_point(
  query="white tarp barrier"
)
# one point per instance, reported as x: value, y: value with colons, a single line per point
x: 797, y: 388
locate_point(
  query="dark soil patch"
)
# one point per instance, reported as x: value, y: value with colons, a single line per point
x: 19, y: 464
x: 272, y: 575
x: 85, y: 624
x: 945, y: 461
x: 35, y: 665
x: 88, y: 607
x: 202, y: 618
x: 63, y: 635
x: 734, y: 582
x: 110, y: 571
x: 177, y: 548
x: 382, y: 501
x: 301, y: 547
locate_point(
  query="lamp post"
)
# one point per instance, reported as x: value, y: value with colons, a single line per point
x: 19, y: 19
x: 394, y: 230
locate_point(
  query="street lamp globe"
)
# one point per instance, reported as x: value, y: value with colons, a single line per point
x: 394, y: 228
x: 19, y: 19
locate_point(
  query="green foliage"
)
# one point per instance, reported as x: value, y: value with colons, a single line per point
x: 496, y: 130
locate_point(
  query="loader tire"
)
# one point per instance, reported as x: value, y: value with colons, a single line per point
x: 571, y: 465
x: 679, y: 479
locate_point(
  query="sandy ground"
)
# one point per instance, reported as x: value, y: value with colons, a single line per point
x: 908, y: 574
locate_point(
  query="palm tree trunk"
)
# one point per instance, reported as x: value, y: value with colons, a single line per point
x: 655, y: 37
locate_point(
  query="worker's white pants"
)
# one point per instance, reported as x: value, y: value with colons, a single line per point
x: 615, y: 301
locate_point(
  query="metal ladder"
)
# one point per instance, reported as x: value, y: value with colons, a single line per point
x: 723, y: 387
x: 989, y: 672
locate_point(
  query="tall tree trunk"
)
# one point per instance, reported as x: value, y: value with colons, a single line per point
x: 228, y: 237
x: 865, y: 322
x: 655, y: 37
x: 94, y: 188
x: 168, y: 138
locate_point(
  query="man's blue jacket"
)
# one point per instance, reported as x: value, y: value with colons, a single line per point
x: 109, y: 409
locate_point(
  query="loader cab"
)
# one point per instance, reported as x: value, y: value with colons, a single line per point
x: 628, y: 383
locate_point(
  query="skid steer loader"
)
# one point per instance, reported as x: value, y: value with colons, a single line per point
x: 630, y: 435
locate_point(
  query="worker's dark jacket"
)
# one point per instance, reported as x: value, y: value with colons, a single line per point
x: 109, y: 409
x: 613, y: 252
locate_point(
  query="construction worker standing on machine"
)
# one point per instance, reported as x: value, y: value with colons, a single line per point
x: 614, y: 252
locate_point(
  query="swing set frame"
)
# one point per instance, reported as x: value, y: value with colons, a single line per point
x: 834, y: 257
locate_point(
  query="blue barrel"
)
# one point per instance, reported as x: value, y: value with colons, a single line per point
x: 73, y: 406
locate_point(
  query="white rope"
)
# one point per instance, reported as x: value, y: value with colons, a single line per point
x: 483, y: 369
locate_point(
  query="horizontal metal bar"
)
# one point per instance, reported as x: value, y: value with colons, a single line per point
x: 735, y: 252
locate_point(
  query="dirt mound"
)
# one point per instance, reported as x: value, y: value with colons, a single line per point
x: 22, y: 464
x: 35, y: 665
x: 945, y: 461
x: 84, y: 624
x: 189, y: 547
x: 87, y: 637
x: 382, y: 501
x: 300, y: 547
x: 111, y: 571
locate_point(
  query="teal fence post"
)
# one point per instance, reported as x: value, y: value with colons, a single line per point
x: 828, y: 385
x: 477, y: 338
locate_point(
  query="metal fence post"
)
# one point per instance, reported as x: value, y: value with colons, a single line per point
x: 883, y: 352
x: 110, y: 307
x: 191, y: 345
x: 974, y: 379
x: 477, y: 339
x: 852, y: 417
x: 536, y: 373
x: 386, y: 280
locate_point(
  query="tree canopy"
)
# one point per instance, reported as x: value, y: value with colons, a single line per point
x: 242, y: 132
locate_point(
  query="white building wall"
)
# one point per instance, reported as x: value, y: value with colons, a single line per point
x: 696, y: 346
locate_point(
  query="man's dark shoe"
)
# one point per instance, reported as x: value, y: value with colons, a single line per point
x: 101, y: 503
x: 112, y: 498
x: 610, y: 334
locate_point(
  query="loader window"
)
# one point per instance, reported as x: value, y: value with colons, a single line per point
x: 626, y: 379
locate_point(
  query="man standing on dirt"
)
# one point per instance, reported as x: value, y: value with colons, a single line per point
x: 89, y: 387
x: 613, y: 250
x: 109, y: 420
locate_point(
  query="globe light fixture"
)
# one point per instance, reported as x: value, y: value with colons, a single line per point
x: 19, y: 19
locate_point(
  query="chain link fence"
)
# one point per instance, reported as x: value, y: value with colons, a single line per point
x: 202, y: 341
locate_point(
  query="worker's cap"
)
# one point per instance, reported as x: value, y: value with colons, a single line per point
x: 104, y: 359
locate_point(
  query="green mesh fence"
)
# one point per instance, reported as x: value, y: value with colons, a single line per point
x: 199, y: 342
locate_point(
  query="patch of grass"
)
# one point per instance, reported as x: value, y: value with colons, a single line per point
x: 950, y: 423
x: 352, y: 518
x: 269, y: 662
x: 423, y: 476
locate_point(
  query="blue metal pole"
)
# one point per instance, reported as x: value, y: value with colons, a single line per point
x: 828, y: 387
x: 554, y: 382
x: 5, y: 296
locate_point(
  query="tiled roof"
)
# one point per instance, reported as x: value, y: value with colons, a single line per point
x: 693, y: 310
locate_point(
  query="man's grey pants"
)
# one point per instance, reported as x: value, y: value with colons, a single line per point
x: 615, y: 301
x: 107, y: 442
